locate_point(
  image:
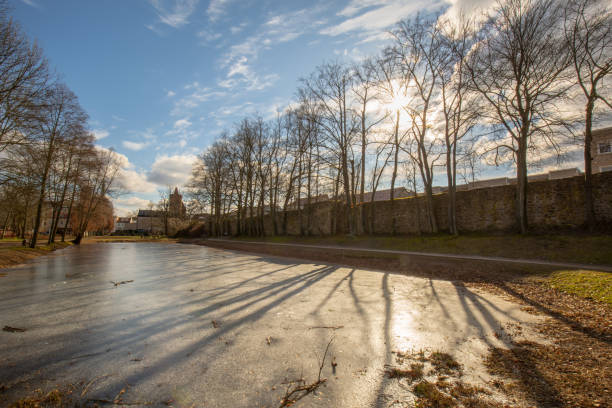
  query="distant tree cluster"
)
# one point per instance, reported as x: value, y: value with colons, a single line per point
x: 444, y: 94
x: 49, y: 165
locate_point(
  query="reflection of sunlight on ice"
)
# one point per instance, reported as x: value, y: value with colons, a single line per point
x: 404, y: 333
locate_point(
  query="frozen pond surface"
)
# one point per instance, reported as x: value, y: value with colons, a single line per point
x: 155, y: 336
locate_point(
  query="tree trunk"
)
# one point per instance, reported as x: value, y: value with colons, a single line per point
x: 334, y: 218
x: 450, y: 163
x: 53, y: 225
x: 69, y: 213
x: 347, y: 190
x: 61, y: 205
x: 453, y: 189
x: 588, y: 168
x: 394, y: 175
x: 8, y: 214
x: 363, y: 165
x: 39, y: 207
x: 521, y: 185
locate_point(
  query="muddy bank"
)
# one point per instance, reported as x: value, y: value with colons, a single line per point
x: 421, y: 265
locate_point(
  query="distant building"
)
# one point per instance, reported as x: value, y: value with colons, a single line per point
x: 126, y: 224
x: 176, y: 208
x: 500, y: 181
x: 384, y: 195
x: 563, y: 173
x: 303, y: 201
x: 601, y: 150
x: 150, y: 221
x: 48, y: 217
x: 504, y: 181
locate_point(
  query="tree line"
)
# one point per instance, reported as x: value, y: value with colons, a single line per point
x: 48, y: 161
x: 442, y: 95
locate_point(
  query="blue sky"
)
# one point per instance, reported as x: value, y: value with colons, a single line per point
x: 161, y: 79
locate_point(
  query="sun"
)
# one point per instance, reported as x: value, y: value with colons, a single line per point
x: 398, y: 101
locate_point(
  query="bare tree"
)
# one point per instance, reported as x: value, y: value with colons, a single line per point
x: 329, y: 88
x: 393, y: 82
x: 211, y: 179
x: 416, y: 49
x: 588, y: 31
x: 23, y: 81
x: 97, y: 184
x: 381, y: 151
x: 60, y: 115
x: 365, y: 91
x: 517, y: 68
x: 459, y: 111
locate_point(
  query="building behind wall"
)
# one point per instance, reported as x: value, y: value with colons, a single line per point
x: 601, y: 150
x: 384, y: 195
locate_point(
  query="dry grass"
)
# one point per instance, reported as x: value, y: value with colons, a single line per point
x: 415, y: 372
x: 428, y: 395
x: 17, y: 255
x: 444, y: 363
x: 439, y: 381
x: 54, y: 398
x: 574, y: 370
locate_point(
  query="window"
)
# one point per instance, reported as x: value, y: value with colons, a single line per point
x: 605, y: 147
x: 605, y: 168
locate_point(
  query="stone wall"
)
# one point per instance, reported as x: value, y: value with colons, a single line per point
x: 552, y: 204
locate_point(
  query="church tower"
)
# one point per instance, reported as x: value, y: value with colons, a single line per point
x: 177, y: 208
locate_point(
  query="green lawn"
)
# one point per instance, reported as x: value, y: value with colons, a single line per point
x: 12, y: 239
x: 586, y: 284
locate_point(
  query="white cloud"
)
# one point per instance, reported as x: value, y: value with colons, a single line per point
x: 467, y: 7
x: 216, y: 9
x: 128, y: 179
x: 355, y: 6
x: 31, y: 3
x: 246, y: 108
x: 134, y: 145
x: 370, y: 18
x: 133, y: 201
x: 133, y: 181
x: 154, y: 29
x: 198, y: 95
x: 182, y: 123
x: 174, y: 13
x: 100, y: 133
x: 239, y: 67
x: 208, y: 37
x: 171, y: 170
x: 241, y: 74
x: 170, y: 94
x: 236, y: 29
x: 277, y: 29
x: 125, y: 205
